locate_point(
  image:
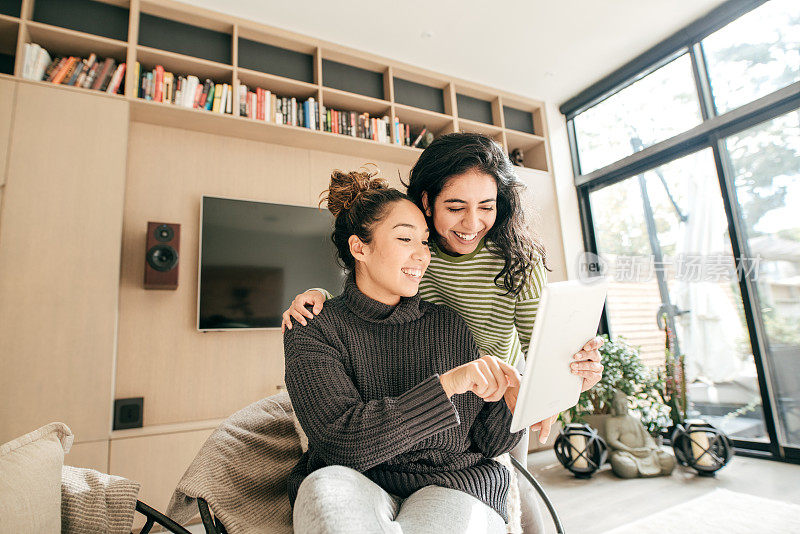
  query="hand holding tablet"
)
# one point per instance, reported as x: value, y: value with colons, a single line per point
x: 569, y: 313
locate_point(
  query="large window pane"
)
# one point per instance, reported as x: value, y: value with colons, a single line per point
x: 766, y: 161
x: 657, y: 107
x: 754, y: 55
x: 685, y: 261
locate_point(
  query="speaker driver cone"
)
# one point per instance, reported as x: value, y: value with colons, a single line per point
x: 162, y: 257
x: 164, y: 232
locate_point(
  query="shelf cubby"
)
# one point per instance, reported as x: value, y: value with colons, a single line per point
x: 437, y: 123
x: 10, y: 8
x: 268, y: 58
x: 183, y: 33
x: 180, y: 64
x: 522, y: 116
x: 532, y: 147
x: 9, y: 33
x: 518, y: 120
x: 474, y: 109
x: 356, y: 77
x: 278, y: 85
x: 103, y: 18
x: 345, y: 101
x: 66, y: 42
x: 6, y: 63
x: 419, y: 95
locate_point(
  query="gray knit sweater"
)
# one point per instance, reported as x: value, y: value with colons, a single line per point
x: 364, y: 382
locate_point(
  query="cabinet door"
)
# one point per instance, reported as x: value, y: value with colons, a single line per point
x: 60, y: 238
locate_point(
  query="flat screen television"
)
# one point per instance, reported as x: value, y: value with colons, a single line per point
x: 255, y: 257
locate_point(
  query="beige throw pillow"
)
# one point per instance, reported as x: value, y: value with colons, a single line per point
x: 30, y: 480
x: 300, y: 433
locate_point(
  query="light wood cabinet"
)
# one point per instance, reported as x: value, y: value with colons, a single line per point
x: 60, y: 234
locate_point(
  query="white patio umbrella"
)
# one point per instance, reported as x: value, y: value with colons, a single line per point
x: 711, y: 333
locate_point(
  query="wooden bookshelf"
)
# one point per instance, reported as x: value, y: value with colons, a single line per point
x: 232, y: 50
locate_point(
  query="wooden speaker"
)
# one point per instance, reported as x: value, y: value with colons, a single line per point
x: 161, y: 258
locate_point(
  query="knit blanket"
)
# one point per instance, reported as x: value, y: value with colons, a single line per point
x: 93, y: 502
x: 241, y: 470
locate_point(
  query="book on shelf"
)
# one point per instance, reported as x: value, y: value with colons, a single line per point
x: 419, y: 137
x: 160, y: 85
x: 88, y: 73
x: 116, y: 79
x: 36, y: 60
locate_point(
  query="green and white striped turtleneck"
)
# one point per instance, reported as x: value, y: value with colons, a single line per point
x: 501, y: 323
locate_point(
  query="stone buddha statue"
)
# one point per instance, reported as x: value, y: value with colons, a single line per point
x: 632, y: 451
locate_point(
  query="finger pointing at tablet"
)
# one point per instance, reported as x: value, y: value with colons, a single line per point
x: 487, y: 377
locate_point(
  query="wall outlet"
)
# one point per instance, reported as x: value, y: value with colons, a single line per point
x: 128, y: 413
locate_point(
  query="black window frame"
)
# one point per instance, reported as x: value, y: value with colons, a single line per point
x: 710, y: 133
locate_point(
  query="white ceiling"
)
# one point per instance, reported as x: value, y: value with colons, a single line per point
x: 543, y: 49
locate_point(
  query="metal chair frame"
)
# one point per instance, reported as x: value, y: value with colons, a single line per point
x: 154, y: 516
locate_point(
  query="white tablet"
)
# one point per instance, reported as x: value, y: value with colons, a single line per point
x: 568, y: 315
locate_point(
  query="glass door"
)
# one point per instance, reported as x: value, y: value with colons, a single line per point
x: 765, y: 163
x: 664, y: 238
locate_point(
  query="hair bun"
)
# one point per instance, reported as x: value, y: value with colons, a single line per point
x: 346, y: 187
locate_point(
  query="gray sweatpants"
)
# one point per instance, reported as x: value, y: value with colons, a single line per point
x: 338, y: 499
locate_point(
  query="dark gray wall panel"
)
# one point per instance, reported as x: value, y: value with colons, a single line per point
x: 166, y: 34
x: 474, y: 109
x: 84, y: 16
x: 352, y: 79
x: 418, y: 95
x: 519, y: 120
x: 273, y: 60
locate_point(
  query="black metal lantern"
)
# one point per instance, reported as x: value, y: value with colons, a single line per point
x: 702, y: 447
x: 580, y: 449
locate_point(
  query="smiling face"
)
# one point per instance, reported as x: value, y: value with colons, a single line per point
x: 391, y: 265
x: 464, y: 211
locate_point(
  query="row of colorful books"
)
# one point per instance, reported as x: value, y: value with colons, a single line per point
x: 262, y: 104
x: 88, y: 73
x: 160, y: 85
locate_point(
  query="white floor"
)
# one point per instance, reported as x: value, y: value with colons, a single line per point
x: 604, y: 501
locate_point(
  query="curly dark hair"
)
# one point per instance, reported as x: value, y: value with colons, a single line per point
x: 509, y: 238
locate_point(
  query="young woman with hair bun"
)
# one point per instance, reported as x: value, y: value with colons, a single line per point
x: 402, y: 413
x: 485, y: 264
